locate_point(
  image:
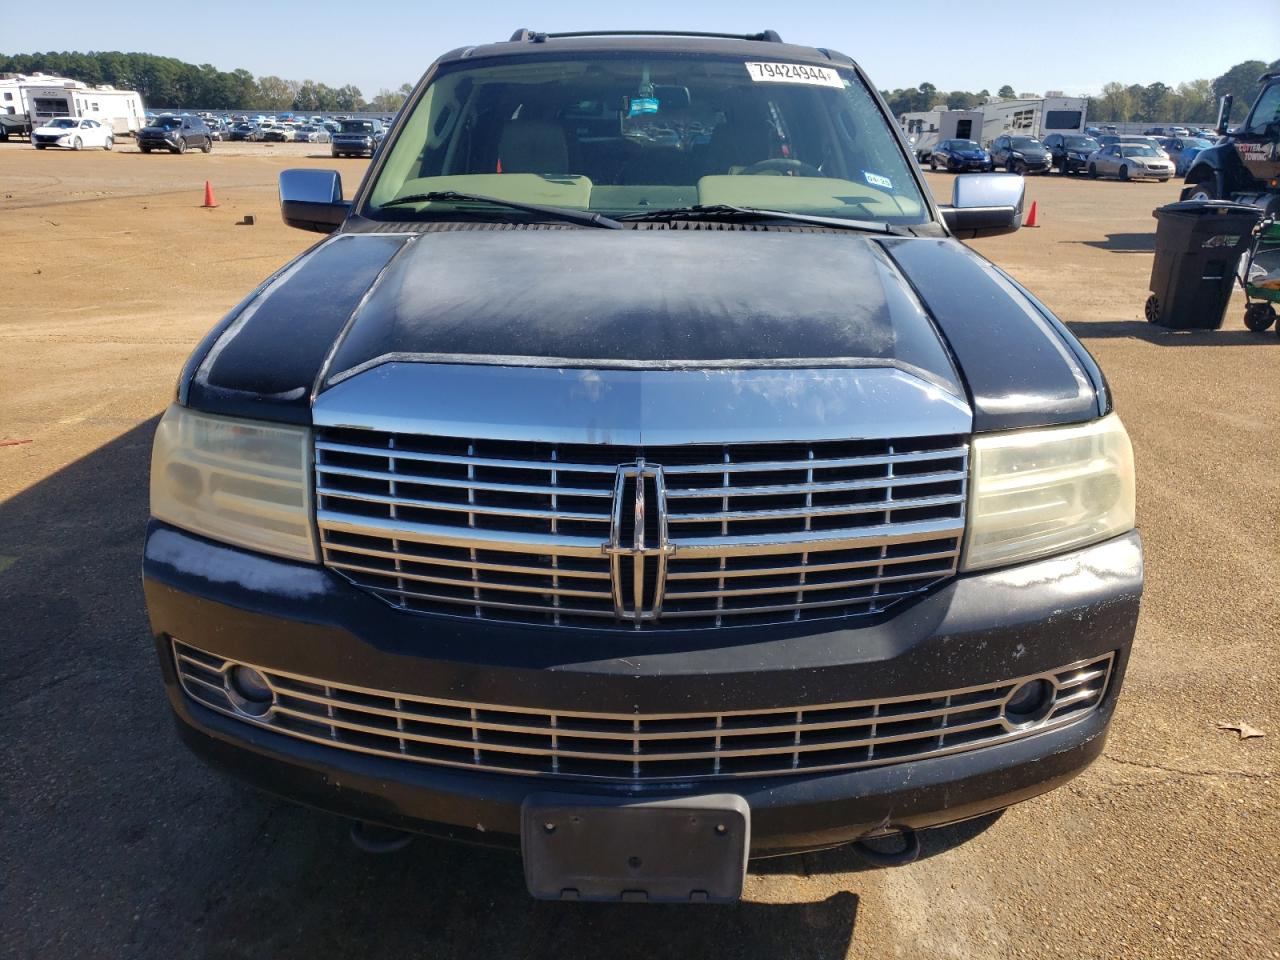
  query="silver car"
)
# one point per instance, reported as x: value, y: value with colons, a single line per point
x: 1128, y: 161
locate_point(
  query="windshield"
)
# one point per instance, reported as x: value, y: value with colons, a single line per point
x: 167, y: 122
x: 1139, y: 151
x: 1082, y: 143
x: 1026, y: 143
x: 64, y: 122
x: 626, y: 136
x: 964, y: 145
x: 357, y: 126
x: 1196, y: 144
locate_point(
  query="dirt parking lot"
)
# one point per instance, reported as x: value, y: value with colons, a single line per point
x: 117, y: 843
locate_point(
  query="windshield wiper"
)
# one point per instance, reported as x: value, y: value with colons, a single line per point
x: 728, y: 211
x: 566, y: 214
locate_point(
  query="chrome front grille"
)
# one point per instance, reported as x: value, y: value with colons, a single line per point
x: 645, y: 747
x: 685, y: 536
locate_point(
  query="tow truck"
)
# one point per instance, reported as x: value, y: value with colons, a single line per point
x: 1244, y: 165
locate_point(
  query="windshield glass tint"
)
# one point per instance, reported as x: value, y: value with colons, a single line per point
x: 1026, y: 143
x: 63, y: 123
x: 1195, y: 144
x: 1082, y: 143
x: 632, y: 135
x: 964, y: 145
x: 1140, y: 151
x: 168, y: 122
x: 357, y: 126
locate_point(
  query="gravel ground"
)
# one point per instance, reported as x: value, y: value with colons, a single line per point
x: 117, y: 843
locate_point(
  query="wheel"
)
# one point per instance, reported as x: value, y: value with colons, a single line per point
x: 111, y: 142
x: 40, y: 146
x: 1153, y: 309
x: 1259, y: 316
x: 1011, y: 165
x: 1093, y: 171
x: 1124, y: 172
x: 1164, y: 179
x: 181, y: 147
x: 1204, y: 191
x: 208, y: 146
x: 933, y: 163
x: 77, y: 143
x: 145, y: 149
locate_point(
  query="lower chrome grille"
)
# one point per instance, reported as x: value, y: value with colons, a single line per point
x: 646, y: 747
x: 690, y: 536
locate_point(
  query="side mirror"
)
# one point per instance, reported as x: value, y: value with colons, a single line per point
x: 1224, y: 115
x: 985, y: 205
x: 312, y: 200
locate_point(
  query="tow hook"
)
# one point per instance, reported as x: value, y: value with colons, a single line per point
x: 909, y: 853
x: 372, y: 838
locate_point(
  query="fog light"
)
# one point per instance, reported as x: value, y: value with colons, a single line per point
x: 249, y: 691
x: 1029, y: 702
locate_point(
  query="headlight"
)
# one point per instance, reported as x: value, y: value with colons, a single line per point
x: 1017, y: 154
x: 239, y: 481
x: 1039, y: 492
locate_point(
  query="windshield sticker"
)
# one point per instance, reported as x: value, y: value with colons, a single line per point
x: 794, y: 73
x: 877, y: 181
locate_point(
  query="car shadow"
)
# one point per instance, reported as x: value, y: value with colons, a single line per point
x: 116, y: 835
x: 1165, y: 337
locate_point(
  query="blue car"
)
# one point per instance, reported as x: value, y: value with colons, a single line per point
x: 1183, y: 150
x: 958, y: 156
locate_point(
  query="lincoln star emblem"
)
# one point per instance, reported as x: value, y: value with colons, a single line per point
x: 638, y: 547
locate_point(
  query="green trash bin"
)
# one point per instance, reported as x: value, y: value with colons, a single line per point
x: 1198, y: 248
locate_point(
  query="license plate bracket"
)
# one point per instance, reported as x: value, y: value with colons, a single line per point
x: 679, y: 850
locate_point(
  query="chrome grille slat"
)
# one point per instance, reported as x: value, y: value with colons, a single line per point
x: 644, y: 747
x: 686, y: 537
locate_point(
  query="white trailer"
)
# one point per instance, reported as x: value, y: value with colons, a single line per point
x: 44, y: 97
x: 927, y: 128
x: 1037, y: 117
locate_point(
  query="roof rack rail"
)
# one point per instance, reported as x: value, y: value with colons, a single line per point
x: 526, y: 35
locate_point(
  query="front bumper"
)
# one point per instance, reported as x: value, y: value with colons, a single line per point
x: 974, y: 630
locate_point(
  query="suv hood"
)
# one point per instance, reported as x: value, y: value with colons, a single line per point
x: 641, y: 299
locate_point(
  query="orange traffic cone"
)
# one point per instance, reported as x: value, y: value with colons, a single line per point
x: 1031, y: 218
x: 210, y: 202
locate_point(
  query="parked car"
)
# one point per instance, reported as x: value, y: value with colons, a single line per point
x: 958, y: 156
x: 605, y: 542
x: 1020, y: 154
x: 244, y: 130
x: 310, y: 133
x: 279, y: 133
x: 1130, y: 161
x: 357, y: 138
x: 217, y: 129
x: 175, y: 134
x: 1069, y: 152
x: 73, y: 133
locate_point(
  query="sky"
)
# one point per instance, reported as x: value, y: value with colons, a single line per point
x: 1033, y: 47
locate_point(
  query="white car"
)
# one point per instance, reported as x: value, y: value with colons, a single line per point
x: 74, y: 133
x: 1128, y: 161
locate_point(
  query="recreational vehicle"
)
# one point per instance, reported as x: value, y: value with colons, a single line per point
x: 44, y: 97
x: 927, y: 128
x: 1033, y: 117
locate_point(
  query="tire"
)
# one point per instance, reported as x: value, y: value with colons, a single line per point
x: 111, y: 142
x: 145, y: 149
x: 1093, y: 171
x: 40, y: 146
x: 1153, y: 309
x: 1206, y: 190
x: 1011, y: 165
x: 1259, y: 316
x: 77, y: 143
x: 207, y: 147
x: 1124, y: 172
x: 933, y: 163
x: 182, y: 146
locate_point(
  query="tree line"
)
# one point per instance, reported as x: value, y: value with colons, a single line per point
x: 1193, y: 102
x: 169, y: 82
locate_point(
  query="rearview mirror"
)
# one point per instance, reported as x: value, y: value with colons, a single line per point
x: 1224, y: 114
x: 312, y: 200
x: 985, y: 205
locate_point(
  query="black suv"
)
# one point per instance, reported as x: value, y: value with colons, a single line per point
x: 1020, y: 154
x: 357, y: 138
x: 1070, y: 152
x: 630, y: 479
x: 175, y: 134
